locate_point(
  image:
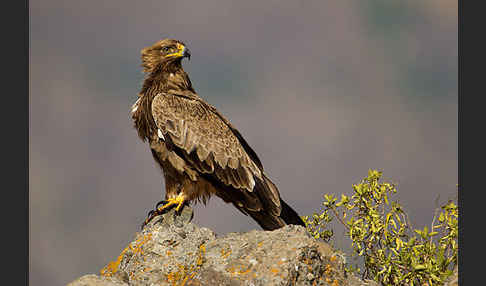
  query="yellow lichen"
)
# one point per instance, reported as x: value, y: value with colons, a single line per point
x: 225, y: 253
x: 184, y: 273
x: 239, y: 269
x: 328, y: 270
x: 112, y: 267
x: 201, y: 253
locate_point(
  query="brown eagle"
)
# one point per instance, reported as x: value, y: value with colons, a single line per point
x: 200, y: 152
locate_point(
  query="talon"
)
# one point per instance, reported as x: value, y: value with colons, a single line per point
x: 146, y: 220
x: 179, y: 201
x: 160, y: 203
x: 150, y: 213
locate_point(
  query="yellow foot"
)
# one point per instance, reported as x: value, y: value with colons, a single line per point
x: 179, y: 201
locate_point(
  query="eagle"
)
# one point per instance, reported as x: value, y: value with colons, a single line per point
x: 199, y: 151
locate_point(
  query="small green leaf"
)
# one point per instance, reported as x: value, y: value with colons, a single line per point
x: 419, y: 267
x: 434, y: 277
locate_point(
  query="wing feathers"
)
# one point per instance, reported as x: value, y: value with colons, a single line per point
x: 202, y: 152
x: 195, y: 127
x: 190, y: 142
x: 215, y: 149
x: 221, y: 159
x: 233, y: 162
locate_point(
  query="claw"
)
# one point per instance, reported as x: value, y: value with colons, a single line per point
x: 150, y: 213
x: 149, y: 218
x: 179, y: 201
x: 160, y: 203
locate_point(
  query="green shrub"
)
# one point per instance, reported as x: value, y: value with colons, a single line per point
x: 380, y: 233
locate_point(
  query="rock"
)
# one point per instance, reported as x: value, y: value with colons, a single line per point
x: 95, y: 280
x: 171, y: 250
x: 453, y: 280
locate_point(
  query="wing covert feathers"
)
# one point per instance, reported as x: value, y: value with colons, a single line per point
x: 208, y: 140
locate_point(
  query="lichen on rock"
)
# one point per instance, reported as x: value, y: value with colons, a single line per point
x: 171, y: 250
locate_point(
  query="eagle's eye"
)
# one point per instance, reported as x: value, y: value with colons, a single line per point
x: 165, y: 49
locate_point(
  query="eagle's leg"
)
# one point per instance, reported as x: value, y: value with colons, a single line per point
x: 178, y: 202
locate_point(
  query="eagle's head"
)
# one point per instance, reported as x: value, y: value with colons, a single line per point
x: 164, y: 52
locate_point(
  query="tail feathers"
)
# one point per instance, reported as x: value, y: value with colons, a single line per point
x: 289, y: 215
x: 275, y: 213
x: 264, y: 204
x: 269, y: 221
x: 266, y: 220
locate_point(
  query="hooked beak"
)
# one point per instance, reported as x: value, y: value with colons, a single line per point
x: 186, y: 53
x: 182, y: 52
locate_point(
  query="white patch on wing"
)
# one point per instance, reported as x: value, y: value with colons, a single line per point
x: 252, y: 183
x: 159, y: 133
x: 135, y: 105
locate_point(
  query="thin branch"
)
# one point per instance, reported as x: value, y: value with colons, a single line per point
x: 336, y: 214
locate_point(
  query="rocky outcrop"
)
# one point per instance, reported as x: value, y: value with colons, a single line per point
x: 453, y: 280
x: 173, y: 251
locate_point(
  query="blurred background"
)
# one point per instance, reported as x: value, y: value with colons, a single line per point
x: 322, y: 91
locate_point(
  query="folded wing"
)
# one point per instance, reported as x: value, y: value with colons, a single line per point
x: 212, y: 145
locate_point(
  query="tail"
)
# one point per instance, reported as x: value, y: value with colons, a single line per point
x: 272, y: 216
x: 269, y: 221
x: 264, y: 204
x: 289, y: 215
